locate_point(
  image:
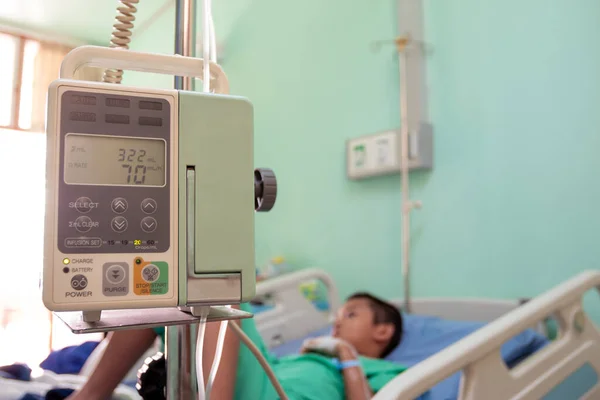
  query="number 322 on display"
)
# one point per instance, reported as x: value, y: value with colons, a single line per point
x: 135, y: 171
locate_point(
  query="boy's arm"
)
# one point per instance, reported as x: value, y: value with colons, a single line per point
x: 355, y: 383
x: 123, y: 350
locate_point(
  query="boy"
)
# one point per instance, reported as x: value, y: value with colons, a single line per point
x: 347, y: 365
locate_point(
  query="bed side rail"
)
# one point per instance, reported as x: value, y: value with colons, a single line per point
x: 486, y: 376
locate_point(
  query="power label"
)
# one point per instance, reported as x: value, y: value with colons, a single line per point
x: 150, y: 278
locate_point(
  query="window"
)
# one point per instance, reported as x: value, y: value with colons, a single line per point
x: 16, y: 81
x: 27, y: 329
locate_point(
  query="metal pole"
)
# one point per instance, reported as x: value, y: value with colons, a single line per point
x: 413, y: 111
x: 406, y: 206
x: 185, y: 37
x: 181, y: 368
x: 181, y: 340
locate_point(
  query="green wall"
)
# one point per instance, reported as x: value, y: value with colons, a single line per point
x: 510, y: 208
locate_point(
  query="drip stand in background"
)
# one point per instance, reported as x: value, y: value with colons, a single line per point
x: 410, y: 47
x: 408, y: 205
x: 415, y: 144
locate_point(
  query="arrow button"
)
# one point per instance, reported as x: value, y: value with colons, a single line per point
x: 149, y: 206
x: 149, y: 224
x: 119, y: 224
x: 119, y: 205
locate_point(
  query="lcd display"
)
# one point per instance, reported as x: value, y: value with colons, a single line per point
x: 114, y: 160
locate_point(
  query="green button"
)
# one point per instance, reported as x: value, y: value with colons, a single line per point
x: 158, y: 285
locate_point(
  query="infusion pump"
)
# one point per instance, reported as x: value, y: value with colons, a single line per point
x: 149, y: 198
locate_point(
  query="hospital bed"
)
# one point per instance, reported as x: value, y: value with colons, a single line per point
x: 460, y: 348
x: 454, y: 348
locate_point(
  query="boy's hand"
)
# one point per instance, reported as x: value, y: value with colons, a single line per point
x: 327, y: 345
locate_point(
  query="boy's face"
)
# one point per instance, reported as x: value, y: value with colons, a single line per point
x: 355, y: 324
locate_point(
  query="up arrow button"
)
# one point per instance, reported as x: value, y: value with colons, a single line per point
x: 119, y: 205
x: 149, y: 206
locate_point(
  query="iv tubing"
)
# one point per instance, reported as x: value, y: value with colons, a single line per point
x: 199, y: 352
x: 207, y: 51
x: 206, y: 45
x: 217, y: 359
x: 261, y: 359
x: 213, y: 40
x: 206, y: 89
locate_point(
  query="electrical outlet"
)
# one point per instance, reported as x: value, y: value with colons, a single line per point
x: 384, y: 150
x: 379, y: 154
x: 358, y: 155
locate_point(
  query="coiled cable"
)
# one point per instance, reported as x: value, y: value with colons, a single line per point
x: 121, y: 35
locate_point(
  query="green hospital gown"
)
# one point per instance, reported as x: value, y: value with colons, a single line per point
x: 303, y: 376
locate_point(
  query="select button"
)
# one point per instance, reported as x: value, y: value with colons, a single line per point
x: 84, y: 205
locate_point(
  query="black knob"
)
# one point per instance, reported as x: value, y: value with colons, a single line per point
x: 152, y: 378
x: 265, y: 189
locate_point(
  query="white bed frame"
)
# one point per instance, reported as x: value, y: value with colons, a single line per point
x: 293, y: 316
x: 485, y: 375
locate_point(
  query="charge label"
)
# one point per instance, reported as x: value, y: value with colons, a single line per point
x: 150, y: 278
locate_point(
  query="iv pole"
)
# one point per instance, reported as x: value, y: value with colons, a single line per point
x: 181, y: 339
x: 413, y: 114
x: 402, y: 43
x: 406, y: 203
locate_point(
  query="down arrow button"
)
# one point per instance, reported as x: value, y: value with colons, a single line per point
x: 119, y: 224
x: 149, y: 224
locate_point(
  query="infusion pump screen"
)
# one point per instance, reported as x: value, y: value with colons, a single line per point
x: 114, y: 160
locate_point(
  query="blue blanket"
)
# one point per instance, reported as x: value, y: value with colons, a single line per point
x: 69, y: 360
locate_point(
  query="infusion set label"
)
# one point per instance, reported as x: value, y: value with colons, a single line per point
x: 150, y: 278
